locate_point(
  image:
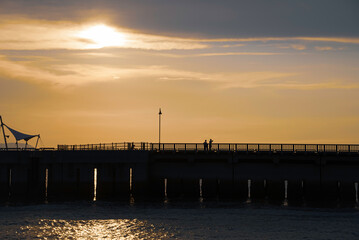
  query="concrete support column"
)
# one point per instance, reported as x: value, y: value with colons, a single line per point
x: 312, y: 190
x: 4, y: 183
x: 55, y: 182
x: 70, y: 181
x: 174, y: 188
x: 156, y: 188
x: 190, y: 188
x: 140, y: 183
x: 275, y: 189
x: 106, y: 181
x: 210, y: 188
x: 330, y: 191
x: 36, y: 180
x: 257, y: 189
x: 122, y: 184
x: 225, y: 188
x: 347, y: 191
x: 19, y: 183
x: 295, y: 191
x: 240, y: 189
x: 75, y: 182
x: 85, y: 181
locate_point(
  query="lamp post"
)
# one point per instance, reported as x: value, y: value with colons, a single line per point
x: 159, y: 129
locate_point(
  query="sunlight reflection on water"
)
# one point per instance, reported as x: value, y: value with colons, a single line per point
x: 176, y: 220
x: 93, y: 229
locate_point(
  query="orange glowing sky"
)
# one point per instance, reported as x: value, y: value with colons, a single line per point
x: 98, y: 71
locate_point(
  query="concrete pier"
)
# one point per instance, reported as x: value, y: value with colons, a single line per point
x: 188, y: 173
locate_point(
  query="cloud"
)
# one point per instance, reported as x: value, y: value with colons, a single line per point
x: 325, y: 48
x: 267, y: 79
x: 298, y: 47
x: 214, y: 54
x: 80, y: 74
x: 315, y: 86
x: 235, y: 54
x: 61, y: 75
x: 256, y: 79
x: 329, y: 39
x: 29, y: 34
x: 292, y: 46
x: 233, y: 45
x: 211, y: 18
x: 349, y: 40
x: 33, y: 34
x: 74, y: 75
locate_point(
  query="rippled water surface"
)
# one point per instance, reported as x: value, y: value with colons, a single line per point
x: 100, y: 220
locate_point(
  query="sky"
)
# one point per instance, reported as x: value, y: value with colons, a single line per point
x: 256, y: 71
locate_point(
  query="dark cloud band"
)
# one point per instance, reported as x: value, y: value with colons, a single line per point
x: 207, y: 18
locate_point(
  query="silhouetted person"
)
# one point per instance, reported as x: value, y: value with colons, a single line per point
x: 205, y: 145
x: 210, y: 144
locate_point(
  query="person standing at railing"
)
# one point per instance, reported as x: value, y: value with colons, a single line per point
x: 210, y: 144
x: 205, y: 145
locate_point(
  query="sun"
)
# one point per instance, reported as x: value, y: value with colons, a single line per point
x: 100, y: 36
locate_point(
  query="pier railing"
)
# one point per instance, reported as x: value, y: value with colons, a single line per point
x: 28, y: 149
x: 215, y: 147
x: 254, y: 147
x: 107, y: 146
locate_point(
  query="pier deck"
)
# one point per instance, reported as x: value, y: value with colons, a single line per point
x: 182, y: 170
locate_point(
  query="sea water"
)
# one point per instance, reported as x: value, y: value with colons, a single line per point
x: 180, y: 220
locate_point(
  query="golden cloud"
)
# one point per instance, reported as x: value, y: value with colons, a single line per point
x: 325, y: 48
x: 35, y: 34
x: 277, y: 39
x: 30, y: 34
x: 80, y: 74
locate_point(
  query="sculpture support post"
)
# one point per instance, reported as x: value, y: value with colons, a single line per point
x: 3, y: 131
x: 38, y: 137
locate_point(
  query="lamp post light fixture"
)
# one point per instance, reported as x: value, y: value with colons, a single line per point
x: 159, y: 129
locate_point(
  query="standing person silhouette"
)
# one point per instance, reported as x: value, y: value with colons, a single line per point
x: 205, y: 145
x: 210, y: 144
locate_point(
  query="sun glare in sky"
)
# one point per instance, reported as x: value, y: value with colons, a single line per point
x: 100, y: 36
